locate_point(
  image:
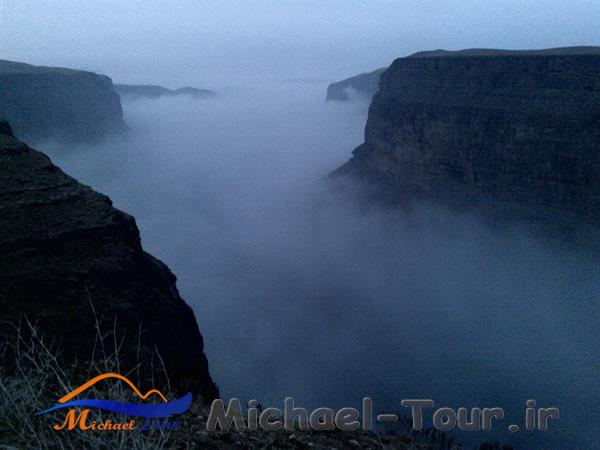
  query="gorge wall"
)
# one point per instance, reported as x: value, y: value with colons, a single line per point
x: 69, y: 258
x: 43, y: 103
x: 515, y: 127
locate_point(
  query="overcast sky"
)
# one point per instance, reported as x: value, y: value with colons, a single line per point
x: 208, y: 42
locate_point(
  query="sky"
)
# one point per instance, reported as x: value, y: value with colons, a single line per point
x: 211, y: 43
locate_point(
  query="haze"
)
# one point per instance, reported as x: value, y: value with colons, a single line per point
x: 209, y: 43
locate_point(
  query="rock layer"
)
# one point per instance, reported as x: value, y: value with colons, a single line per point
x: 516, y: 127
x: 66, y: 252
x: 44, y: 103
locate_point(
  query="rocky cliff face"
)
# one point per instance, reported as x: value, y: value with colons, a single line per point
x: 64, y: 249
x: 364, y: 84
x: 516, y: 127
x: 51, y: 103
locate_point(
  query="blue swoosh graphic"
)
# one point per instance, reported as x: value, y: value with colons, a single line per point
x: 161, y: 410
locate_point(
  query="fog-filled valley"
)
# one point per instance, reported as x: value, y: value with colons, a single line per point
x: 300, y: 291
x: 204, y: 201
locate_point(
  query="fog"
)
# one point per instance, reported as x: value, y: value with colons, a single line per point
x: 209, y: 43
x: 300, y: 292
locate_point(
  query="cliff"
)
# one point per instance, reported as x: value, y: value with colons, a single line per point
x: 488, y: 127
x: 364, y: 84
x: 44, y: 103
x: 67, y: 252
x: 134, y: 92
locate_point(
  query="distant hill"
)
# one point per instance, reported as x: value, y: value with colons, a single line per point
x: 56, y: 103
x: 364, y: 84
x: 482, y: 52
x: 137, y: 91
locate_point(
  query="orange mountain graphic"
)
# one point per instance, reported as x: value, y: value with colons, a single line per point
x: 104, y: 376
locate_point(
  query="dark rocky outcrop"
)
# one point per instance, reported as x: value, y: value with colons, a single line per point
x: 364, y: 84
x: 64, y: 249
x: 5, y: 128
x: 44, y: 103
x: 134, y: 92
x: 489, y: 127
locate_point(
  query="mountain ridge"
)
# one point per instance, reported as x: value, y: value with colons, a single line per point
x: 136, y: 91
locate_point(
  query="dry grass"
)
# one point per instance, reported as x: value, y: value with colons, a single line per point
x: 37, y: 379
